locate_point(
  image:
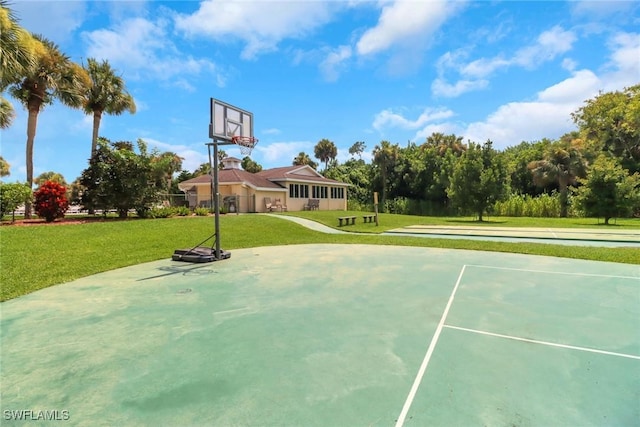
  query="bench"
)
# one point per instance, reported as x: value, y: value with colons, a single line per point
x: 369, y: 218
x: 312, y: 204
x: 347, y: 219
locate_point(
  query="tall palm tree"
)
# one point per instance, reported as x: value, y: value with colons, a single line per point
x: 105, y: 94
x: 562, y: 164
x: 324, y: 151
x: 54, y: 76
x: 303, y: 159
x: 166, y: 164
x: 17, y: 49
x: 384, y: 156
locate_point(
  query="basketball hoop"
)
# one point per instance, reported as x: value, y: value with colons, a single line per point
x: 246, y: 143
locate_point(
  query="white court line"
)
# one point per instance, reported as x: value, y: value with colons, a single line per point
x: 608, y: 276
x: 552, y: 233
x: 552, y: 344
x: 425, y: 361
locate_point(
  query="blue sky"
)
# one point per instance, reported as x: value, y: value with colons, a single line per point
x: 347, y: 71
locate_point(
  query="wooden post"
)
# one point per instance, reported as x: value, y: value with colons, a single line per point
x: 375, y: 205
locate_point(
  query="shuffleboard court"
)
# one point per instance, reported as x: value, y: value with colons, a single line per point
x: 331, y: 335
x: 581, y: 234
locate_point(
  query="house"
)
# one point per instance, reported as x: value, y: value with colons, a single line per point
x: 242, y: 191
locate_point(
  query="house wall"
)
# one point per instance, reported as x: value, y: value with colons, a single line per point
x: 297, y: 199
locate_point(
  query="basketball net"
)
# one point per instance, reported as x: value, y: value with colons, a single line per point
x: 245, y: 143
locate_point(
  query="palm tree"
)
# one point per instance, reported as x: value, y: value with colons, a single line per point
x: 5, y: 167
x: 167, y: 164
x: 50, y: 176
x: 303, y: 159
x: 17, y: 49
x: 384, y: 156
x: 105, y: 94
x: 54, y: 76
x: 562, y: 164
x: 324, y: 151
x: 444, y: 142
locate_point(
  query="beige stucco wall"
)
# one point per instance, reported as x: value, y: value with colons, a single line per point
x: 247, y: 201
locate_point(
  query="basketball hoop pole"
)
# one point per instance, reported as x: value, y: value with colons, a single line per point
x: 214, y: 192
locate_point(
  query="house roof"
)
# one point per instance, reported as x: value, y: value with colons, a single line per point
x: 297, y: 173
x: 264, y: 180
x: 231, y: 176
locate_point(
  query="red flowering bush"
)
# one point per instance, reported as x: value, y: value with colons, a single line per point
x: 50, y: 201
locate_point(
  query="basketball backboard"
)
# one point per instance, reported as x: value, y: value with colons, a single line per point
x: 228, y: 121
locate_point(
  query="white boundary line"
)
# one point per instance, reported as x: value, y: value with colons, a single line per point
x: 555, y: 272
x: 551, y: 344
x: 427, y: 356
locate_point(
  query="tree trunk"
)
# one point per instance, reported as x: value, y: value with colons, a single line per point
x: 480, y: 216
x: 606, y: 220
x: 97, y: 117
x: 32, y: 123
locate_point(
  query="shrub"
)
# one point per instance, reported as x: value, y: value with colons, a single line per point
x: 12, y: 196
x: 201, y: 211
x: 163, y: 212
x: 181, y: 211
x: 51, y: 201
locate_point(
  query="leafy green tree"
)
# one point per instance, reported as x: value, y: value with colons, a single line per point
x: 17, y: 48
x: 250, y: 165
x: 54, y: 76
x: 611, y: 123
x: 358, y: 174
x: 121, y: 179
x: 479, y: 179
x: 165, y: 165
x: 106, y: 93
x: 443, y: 143
x: 50, y: 176
x: 303, y: 159
x: 608, y: 191
x: 325, y: 151
x: 357, y: 149
x: 385, y: 156
x: 5, y: 167
x: 563, y: 164
x: 517, y: 159
x: 12, y: 196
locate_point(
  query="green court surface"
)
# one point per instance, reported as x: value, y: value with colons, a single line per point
x: 331, y: 335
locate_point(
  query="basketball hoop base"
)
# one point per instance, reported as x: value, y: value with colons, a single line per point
x: 199, y: 254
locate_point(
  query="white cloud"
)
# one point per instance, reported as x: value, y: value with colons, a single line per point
x: 440, y: 87
x: 271, y: 131
x: 389, y: 119
x: 261, y: 25
x: 474, y: 74
x: 403, y: 22
x: 52, y: 19
x: 603, y: 8
x: 334, y: 63
x: 143, y: 49
x: 282, y: 153
x: 623, y: 68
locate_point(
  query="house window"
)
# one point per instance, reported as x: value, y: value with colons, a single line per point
x: 337, y: 193
x: 319, y: 192
x: 299, y: 191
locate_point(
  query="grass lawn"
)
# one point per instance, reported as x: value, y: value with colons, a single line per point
x: 37, y: 256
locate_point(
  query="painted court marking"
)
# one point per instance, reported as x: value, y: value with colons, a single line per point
x: 551, y: 344
x: 427, y: 356
x: 434, y: 340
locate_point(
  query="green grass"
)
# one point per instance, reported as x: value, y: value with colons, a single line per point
x: 390, y: 221
x: 38, y: 256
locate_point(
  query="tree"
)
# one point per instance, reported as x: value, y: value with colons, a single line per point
x: 479, y: 179
x: 12, y: 196
x: 54, y: 76
x: 49, y: 176
x: 121, y: 179
x: 357, y: 149
x: 611, y: 123
x: 384, y: 158
x: 5, y: 167
x: 106, y: 93
x: 324, y: 151
x: 51, y: 201
x: 608, y: 191
x: 165, y: 165
x: 17, y: 49
x: 303, y: 159
x: 444, y: 142
x: 250, y: 166
x: 562, y: 164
